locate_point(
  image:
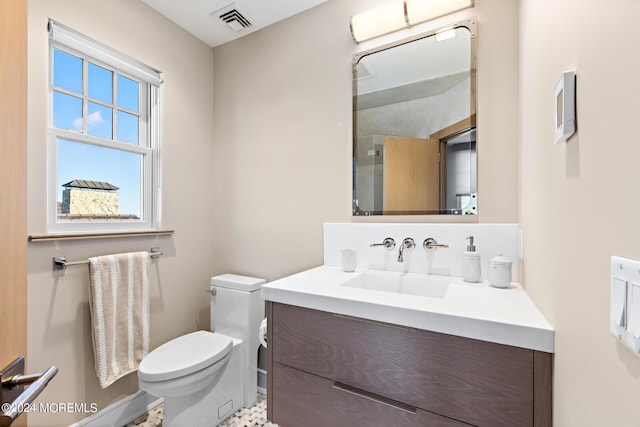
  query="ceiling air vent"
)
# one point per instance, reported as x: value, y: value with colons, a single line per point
x: 235, y: 20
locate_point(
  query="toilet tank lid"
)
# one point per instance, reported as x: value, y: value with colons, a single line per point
x: 234, y: 281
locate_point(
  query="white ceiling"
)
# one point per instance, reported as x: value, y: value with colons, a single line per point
x: 421, y: 60
x: 198, y: 17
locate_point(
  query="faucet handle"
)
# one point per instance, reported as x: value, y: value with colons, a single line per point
x: 388, y: 243
x: 430, y: 244
x: 409, y: 243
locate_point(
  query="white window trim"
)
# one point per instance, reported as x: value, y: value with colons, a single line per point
x: 70, y: 40
x: 103, y: 53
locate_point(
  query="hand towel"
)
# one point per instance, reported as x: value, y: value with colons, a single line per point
x: 119, y: 304
x: 262, y: 332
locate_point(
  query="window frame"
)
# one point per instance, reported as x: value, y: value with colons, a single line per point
x: 148, y: 147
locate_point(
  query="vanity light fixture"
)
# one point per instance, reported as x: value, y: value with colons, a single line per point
x: 381, y: 20
x: 425, y: 10
x: 401, y: 14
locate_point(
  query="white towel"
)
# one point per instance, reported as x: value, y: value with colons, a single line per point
x: 119, y: 304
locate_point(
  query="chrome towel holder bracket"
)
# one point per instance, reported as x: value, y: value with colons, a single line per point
x: 60, y: 263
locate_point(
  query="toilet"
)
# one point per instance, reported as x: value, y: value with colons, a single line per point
x: 205, y: 376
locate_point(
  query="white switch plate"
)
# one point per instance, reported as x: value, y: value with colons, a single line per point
x: 624, y: 316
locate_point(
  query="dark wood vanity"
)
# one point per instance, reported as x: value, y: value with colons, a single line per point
x: 326, y: 369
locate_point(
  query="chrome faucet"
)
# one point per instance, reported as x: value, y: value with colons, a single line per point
x: 407, y: 244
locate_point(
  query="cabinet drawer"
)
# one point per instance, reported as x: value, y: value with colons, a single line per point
x: 481, y: 383
x: 307, y: 400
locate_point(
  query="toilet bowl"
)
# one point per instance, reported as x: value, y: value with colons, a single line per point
x: 186, y: 364
x: 204, y: 376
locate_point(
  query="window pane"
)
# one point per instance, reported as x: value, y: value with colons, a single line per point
x: 127, y: 128
x: 89, y: 165
x: 128, y: 93
x: 100, y: 121
x: 67, y: 71
x: 100, y: 84
x: 67, y: 111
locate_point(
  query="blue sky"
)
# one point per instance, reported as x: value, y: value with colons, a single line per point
x: 84, y: 161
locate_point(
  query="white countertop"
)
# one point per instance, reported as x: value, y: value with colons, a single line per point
x: 472, y: 310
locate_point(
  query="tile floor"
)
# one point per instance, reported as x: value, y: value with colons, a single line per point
x: 256, y: 416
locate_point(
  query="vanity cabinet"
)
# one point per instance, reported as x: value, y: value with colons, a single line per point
x: 329, y: 369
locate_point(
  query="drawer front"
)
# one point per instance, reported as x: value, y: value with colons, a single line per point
x: 303, y: 399
x: 481, y: 383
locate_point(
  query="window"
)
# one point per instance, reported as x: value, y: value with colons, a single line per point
x: 103, y: 143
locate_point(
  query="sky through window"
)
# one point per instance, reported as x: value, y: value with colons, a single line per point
x: 93, y: 100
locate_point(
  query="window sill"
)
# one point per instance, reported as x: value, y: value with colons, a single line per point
x: 80, y: 236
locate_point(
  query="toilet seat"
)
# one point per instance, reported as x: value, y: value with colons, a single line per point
x: 184, y: 355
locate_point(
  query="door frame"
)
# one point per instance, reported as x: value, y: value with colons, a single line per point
x: 13, y: 179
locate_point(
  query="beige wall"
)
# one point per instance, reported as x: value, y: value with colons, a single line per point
x: 579, y: 200
x: 283, y: 133
x: 58, y: 313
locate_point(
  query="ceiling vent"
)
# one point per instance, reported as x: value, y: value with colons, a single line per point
x: 233, y: 18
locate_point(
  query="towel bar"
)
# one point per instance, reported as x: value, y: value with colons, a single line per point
x: 61, y: 263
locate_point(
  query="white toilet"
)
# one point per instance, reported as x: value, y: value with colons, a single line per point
x: 206, y: 376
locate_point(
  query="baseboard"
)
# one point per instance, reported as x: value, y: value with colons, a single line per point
x: 131, y: 407
x: 121, y: 412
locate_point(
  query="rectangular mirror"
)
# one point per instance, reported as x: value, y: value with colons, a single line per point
x: 414, y: 125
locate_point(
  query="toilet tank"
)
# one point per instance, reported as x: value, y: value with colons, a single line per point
x: 237, y: 308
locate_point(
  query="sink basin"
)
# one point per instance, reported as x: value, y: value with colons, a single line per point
x: 401, y: 283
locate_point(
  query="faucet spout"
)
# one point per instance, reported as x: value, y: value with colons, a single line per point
x: 407, y: 244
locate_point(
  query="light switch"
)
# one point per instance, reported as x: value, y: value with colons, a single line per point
x: 634, y: 310
x: 618, y: 302
x: 624, y: 322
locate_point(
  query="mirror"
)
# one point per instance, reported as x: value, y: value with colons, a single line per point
x: 414, y: 130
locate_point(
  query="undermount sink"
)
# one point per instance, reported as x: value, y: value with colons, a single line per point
x: 401, y: 283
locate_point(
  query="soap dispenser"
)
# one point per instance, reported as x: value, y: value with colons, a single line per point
x: 471, y: 263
